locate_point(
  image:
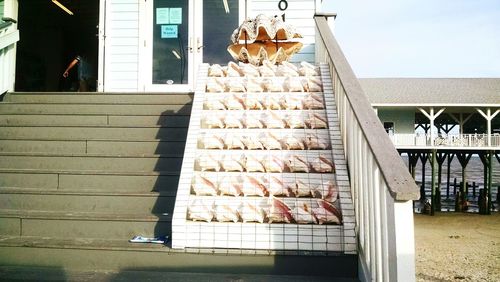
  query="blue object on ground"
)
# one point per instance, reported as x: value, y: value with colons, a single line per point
x: 155, y: 240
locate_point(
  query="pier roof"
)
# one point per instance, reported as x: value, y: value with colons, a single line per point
x: 432, y: 91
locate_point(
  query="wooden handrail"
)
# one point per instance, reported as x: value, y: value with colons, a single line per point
x: 401, y: 185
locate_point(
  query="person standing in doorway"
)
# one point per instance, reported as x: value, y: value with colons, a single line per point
x: 84, y: 73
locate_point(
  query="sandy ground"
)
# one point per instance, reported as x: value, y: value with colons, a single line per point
x: 457, y: 247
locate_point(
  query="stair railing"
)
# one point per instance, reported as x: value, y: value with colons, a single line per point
x: 381, y: 185
x: 9, y: 35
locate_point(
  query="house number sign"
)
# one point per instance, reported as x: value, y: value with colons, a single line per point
x: 283, y: 5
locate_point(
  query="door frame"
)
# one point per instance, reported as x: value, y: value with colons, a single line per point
x: 195, y: 45
x: 145, y: 73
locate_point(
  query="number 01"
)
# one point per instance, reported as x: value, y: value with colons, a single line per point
x: 283, y: 5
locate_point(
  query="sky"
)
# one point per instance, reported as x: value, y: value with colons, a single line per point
x: 419, y: 38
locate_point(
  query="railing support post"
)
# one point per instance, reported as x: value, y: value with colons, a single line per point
x: 404, y: 242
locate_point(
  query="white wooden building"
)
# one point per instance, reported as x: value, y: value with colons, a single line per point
x: 129, y: 53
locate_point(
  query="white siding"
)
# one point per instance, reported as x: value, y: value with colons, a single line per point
x: 299, y: 13
x: 121, y: 69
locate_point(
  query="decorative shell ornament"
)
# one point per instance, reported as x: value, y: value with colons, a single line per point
x: 264, y: 38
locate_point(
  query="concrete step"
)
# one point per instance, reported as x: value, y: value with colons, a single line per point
x: 119, y: 255
x: 146, y: 147
x: 95, y: 109
x: 100, y: 98
x: 99, y: 203
x: 93, y: 133
x: 77, y: 224
x: 92, y: 163
x: 106, y: 182
x: 175, y: 120
x: 16, y: 273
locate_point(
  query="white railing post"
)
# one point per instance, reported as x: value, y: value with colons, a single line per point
x: 381, y: 187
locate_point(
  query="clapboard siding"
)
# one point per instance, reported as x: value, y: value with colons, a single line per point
x: 300, y: 13
x: 122, y: 67
x: 122, y: 46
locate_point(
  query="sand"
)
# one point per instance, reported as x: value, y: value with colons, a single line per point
x: 457, y: 247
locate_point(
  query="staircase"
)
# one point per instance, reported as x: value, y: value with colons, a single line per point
x: 80, y: 174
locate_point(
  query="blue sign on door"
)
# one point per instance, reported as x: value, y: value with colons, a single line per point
x: 169, y: 31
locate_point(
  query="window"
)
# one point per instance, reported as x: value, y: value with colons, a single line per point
x: 389, y: 127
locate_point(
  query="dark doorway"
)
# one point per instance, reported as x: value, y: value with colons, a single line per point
x: 50, y: 39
